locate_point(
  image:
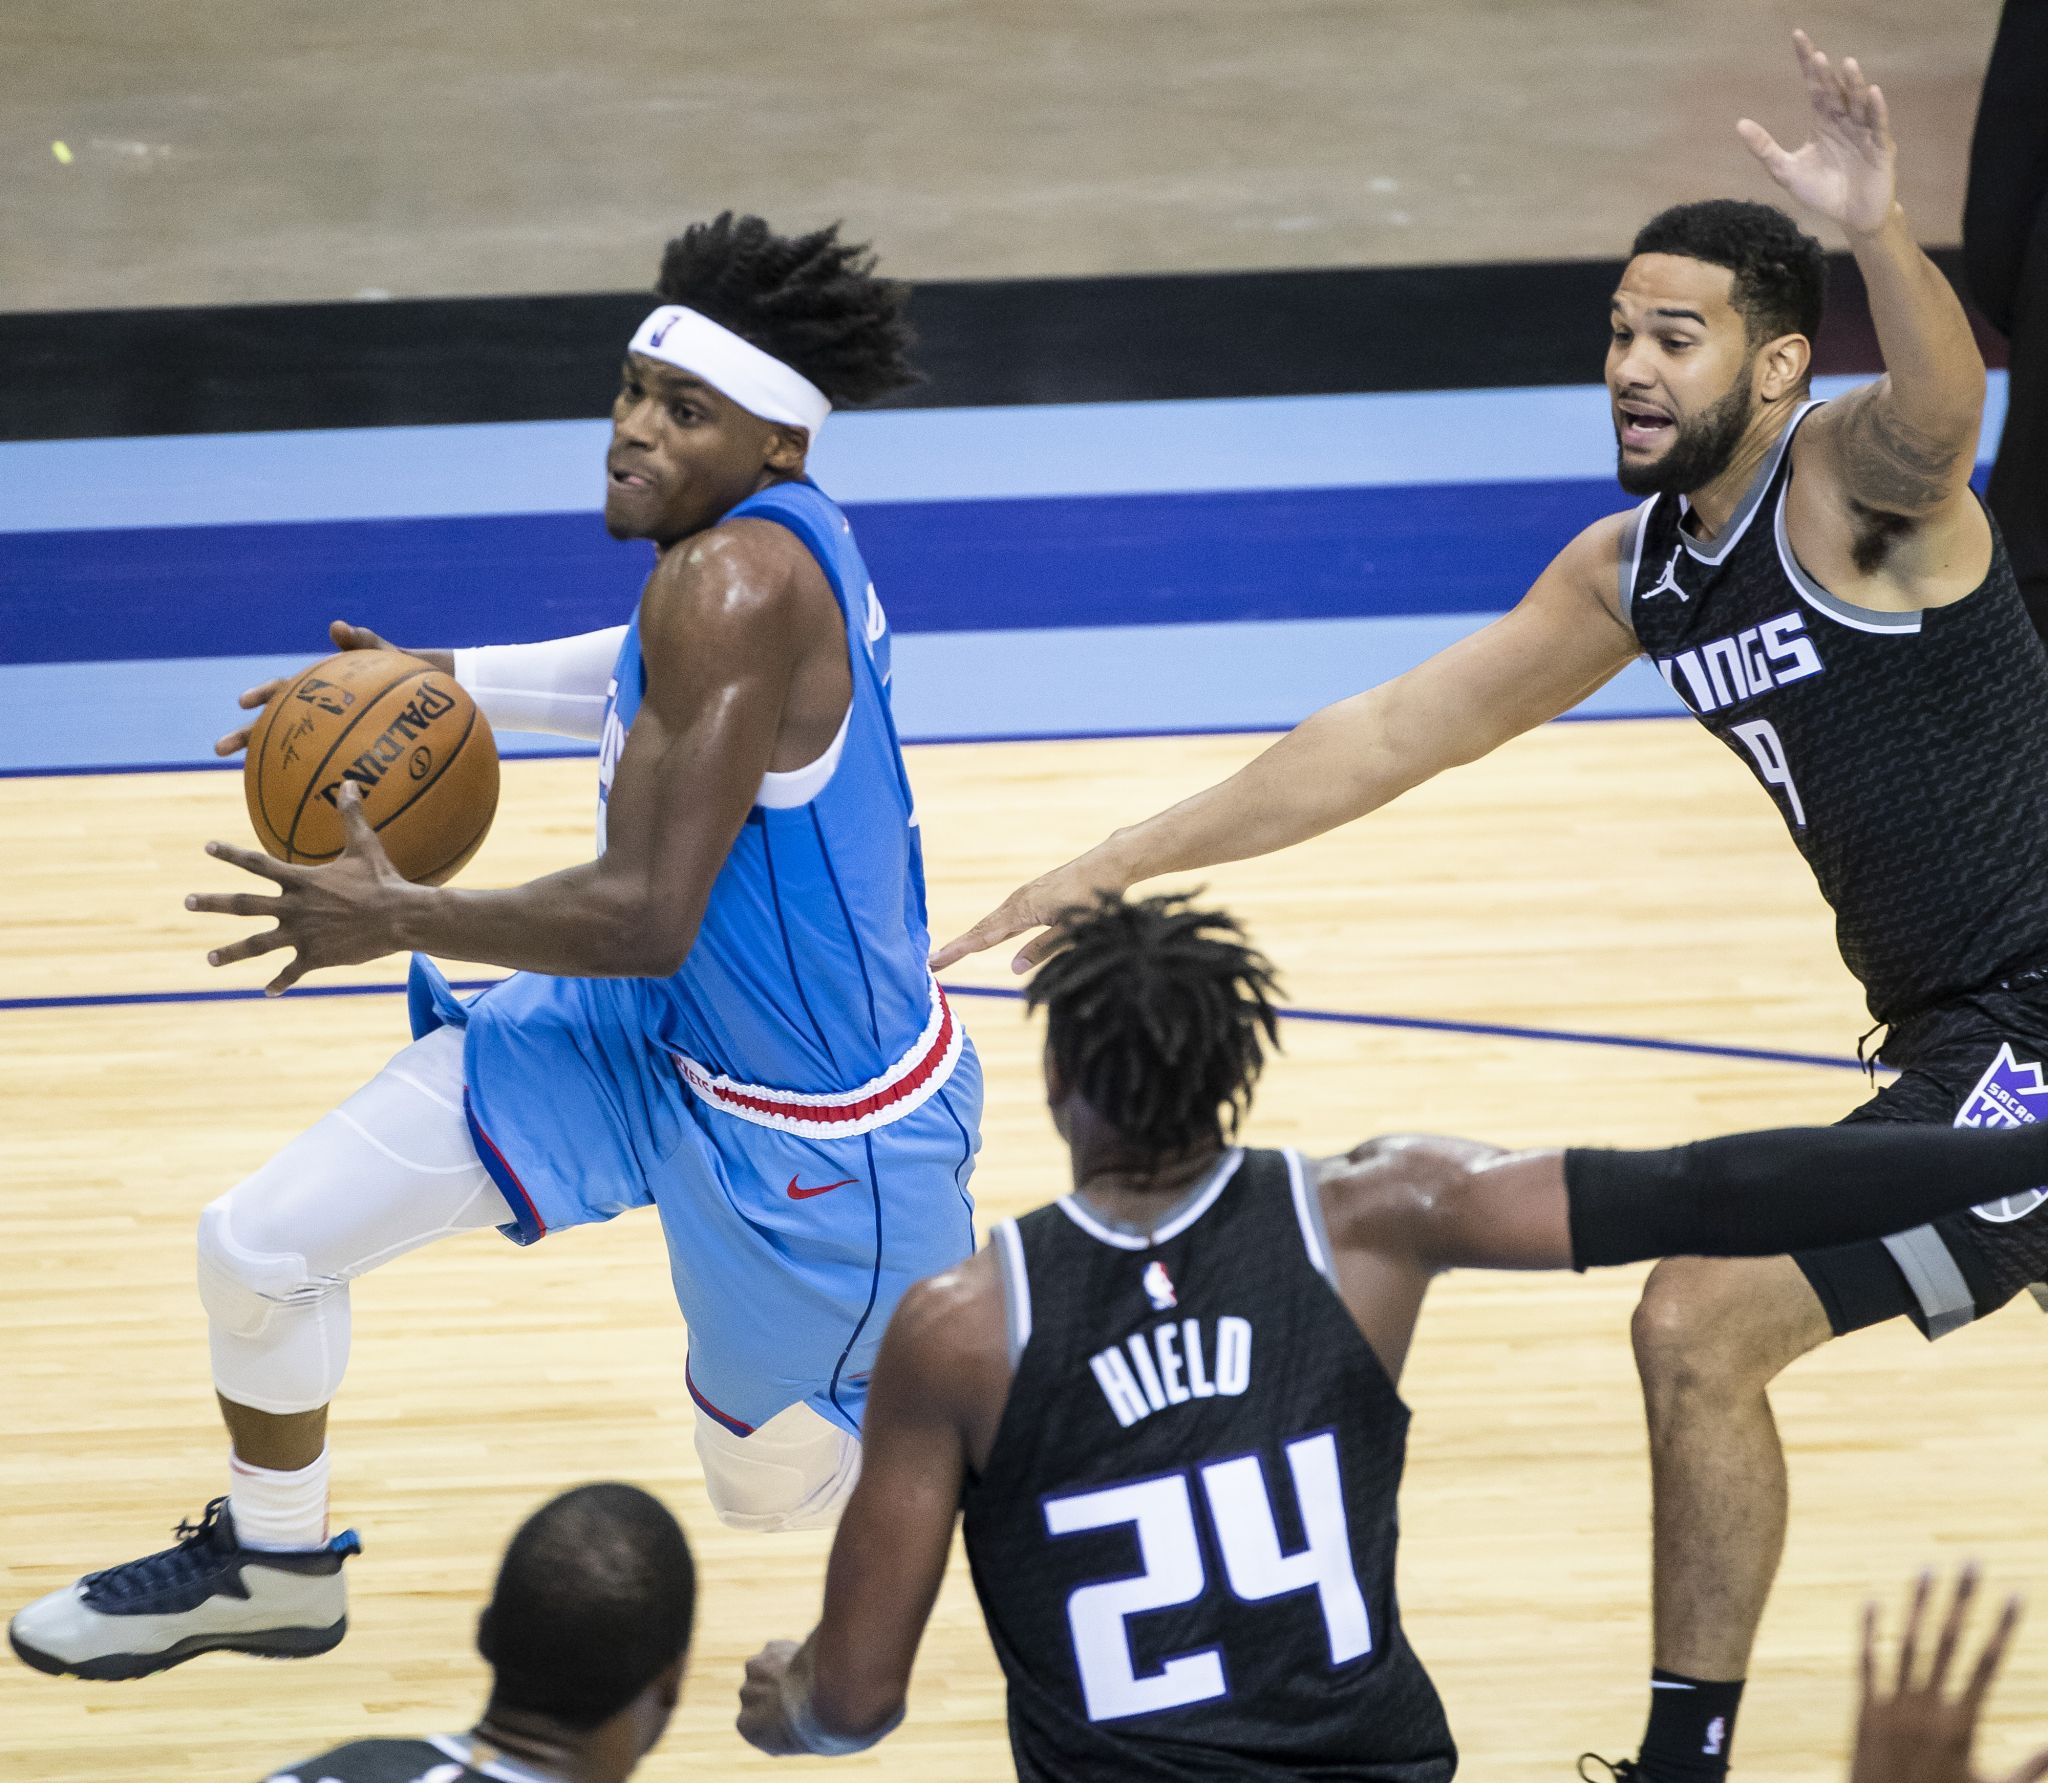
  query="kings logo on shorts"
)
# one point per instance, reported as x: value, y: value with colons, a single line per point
x: 2010, y: 1094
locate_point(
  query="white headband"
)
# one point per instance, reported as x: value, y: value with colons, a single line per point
x: 759, y: 382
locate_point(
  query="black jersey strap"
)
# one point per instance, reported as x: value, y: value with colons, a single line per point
x: 1008, y: 1244
x: 1633, y: 532
x: 1308, y: 1212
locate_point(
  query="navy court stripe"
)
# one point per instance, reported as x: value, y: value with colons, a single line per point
x: 1760, y: 1055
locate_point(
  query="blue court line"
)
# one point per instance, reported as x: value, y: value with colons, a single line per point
x: 1762, y: 1055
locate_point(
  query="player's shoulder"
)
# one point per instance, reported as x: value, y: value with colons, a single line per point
x: 375, y: 1761
x: 743, y: 575
x: 957, y: 1308
x: 1598, y: 551
x: 1593, y: 564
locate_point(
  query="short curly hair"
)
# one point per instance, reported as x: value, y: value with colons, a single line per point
x: 811, y: 300
x: 1158, y: 1013
x: 1781, y: 274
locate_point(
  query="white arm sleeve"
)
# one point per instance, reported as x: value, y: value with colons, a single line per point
x: 558, y: 686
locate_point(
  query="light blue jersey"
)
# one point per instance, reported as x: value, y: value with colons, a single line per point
x: 798, y: 1100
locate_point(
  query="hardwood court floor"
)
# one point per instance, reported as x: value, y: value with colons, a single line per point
x: 1621, y: 878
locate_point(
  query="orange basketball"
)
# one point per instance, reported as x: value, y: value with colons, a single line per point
x: 405, y: 733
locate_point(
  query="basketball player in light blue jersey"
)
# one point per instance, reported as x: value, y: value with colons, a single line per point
x: 727, y: 1014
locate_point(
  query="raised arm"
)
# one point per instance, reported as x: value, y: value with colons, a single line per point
x: 1905, y: 445
x: 941, y: 1376
x: 723, y: 626
x: 1563, y: 639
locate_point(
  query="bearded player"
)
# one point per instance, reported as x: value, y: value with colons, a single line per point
x: 1823, y: 589
x: 727, y: 1014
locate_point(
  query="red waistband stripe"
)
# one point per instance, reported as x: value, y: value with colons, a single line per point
x: 906, y: 1086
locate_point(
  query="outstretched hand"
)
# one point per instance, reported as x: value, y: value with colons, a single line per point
x: 1038, y: 905
x: 340, y: 914
x: 1916, y: 1733
x: 345, y: 636
x: 1845, y: 170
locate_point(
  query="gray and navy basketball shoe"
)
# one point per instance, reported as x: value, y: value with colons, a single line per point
x: 208, y: 1594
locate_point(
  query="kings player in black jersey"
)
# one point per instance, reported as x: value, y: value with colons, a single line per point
x: 1823, y: 589
x: 587, y: 1634
x: 1168, y: 1404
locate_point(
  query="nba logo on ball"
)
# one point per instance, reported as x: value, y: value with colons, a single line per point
x: 2009, y: 1094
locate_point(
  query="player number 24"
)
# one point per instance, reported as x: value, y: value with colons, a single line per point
x: 1173, y: 1573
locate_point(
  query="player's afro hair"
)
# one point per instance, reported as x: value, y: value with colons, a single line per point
x: 1781, y: 274
x: 811, y: 300
x: 594, y: 1600
x: 1158, y: 1014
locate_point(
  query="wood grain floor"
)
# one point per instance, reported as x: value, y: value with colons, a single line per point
x: 1613, y: 878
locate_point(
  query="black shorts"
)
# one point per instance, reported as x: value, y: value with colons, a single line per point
x: 1979, y: 1061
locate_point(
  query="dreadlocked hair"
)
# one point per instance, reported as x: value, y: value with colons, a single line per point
x: 813, y: 301
x: 1158, y: 1015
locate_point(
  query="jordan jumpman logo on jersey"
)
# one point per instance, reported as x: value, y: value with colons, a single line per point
x: 1667, y: 583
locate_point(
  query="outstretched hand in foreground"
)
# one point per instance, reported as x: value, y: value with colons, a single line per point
x: 1914, y: 1731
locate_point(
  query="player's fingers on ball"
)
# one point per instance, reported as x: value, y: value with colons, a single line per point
x: 232, y: 744
x: 349, y: 802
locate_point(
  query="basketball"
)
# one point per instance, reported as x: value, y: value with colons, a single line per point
x: 405, y: 733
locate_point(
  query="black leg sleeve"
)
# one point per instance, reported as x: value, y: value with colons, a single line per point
x: 1762, y: 1194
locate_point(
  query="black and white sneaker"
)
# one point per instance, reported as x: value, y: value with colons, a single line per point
x: 208, y: 1594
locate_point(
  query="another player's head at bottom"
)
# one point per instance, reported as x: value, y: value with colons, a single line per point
x: 1158, y: 1017
x: 1712, y: 343
x: 755, y: 339
x: 588, y: 1630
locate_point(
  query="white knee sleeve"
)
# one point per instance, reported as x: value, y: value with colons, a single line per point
x: 795, y: 1472
x: 279, y: 1334
x: 391, y: 1169
x: 241, y: 1288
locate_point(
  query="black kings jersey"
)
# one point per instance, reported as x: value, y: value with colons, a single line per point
x: 1184, y: 1538
x: 441, y: 1758
x: 1908, y: 752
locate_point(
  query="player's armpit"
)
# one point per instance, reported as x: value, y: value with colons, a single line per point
x: 889, y: 1555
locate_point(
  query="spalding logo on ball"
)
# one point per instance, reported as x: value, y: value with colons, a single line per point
x: 405, y: 733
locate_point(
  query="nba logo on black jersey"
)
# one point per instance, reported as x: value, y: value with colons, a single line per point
x: 1158, y: 1286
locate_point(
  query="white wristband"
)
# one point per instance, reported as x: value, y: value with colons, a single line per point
x: 558, y: 686
x: 803, y: 1724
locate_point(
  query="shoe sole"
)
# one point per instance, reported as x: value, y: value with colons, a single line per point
x: 282, y: 1643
